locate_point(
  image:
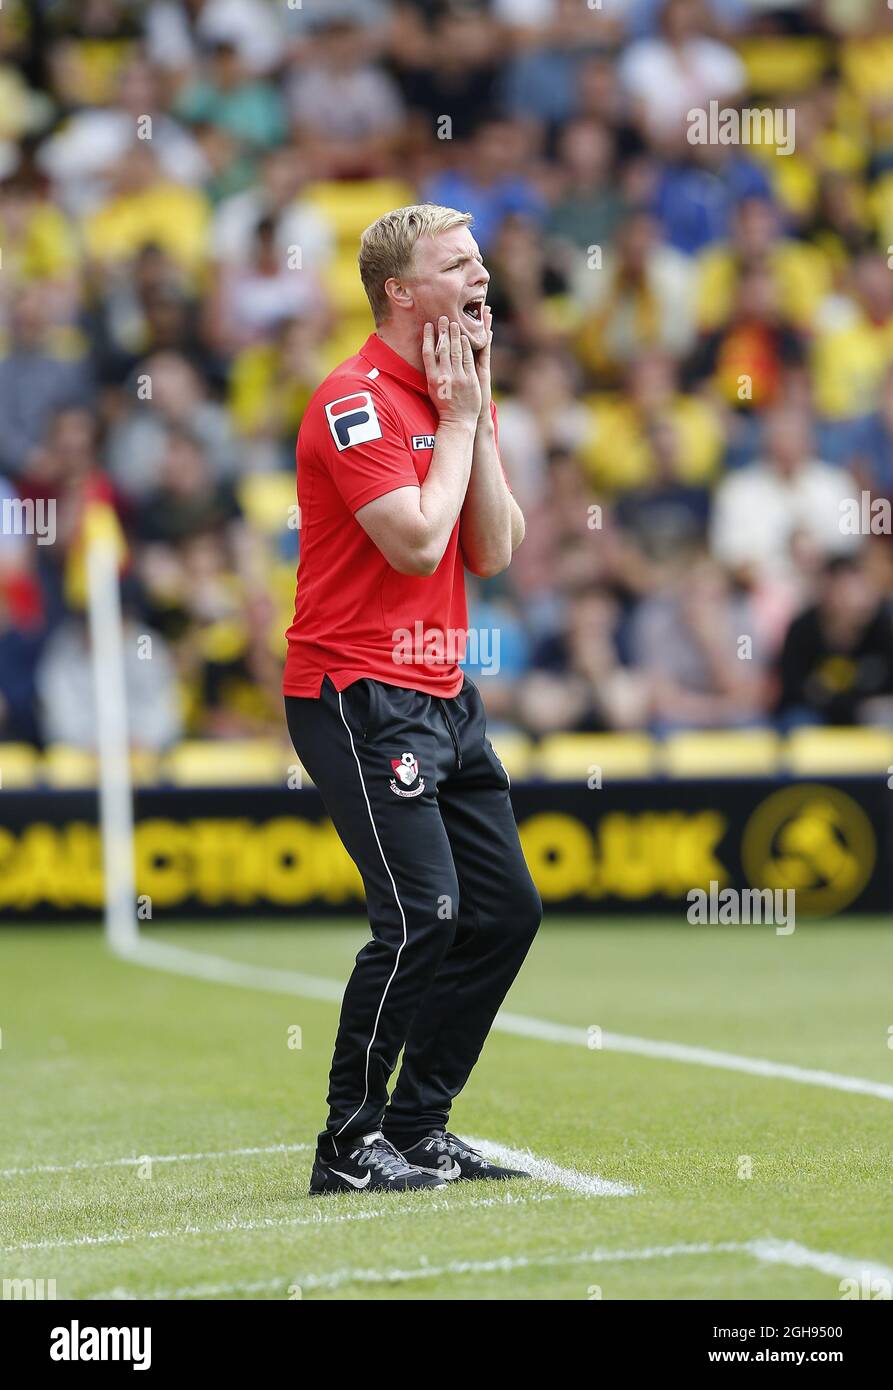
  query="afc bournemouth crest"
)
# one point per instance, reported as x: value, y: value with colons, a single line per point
x: 406, y: 780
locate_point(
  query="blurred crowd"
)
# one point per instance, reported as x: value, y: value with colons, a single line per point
x: 693, y: 361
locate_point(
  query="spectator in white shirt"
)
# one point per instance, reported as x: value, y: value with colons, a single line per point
x: 82, y: 157
x: 277, y: 195
x: 178, y: 30
x: 781, y: 515
x: 666, y: 77
x: 346, y: 108
x: 66, y: 691
x: 251, y: 299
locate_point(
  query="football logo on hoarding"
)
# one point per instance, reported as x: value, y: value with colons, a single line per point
x: 352, y: 420
x: 406, y: 770
x: 815, y: 839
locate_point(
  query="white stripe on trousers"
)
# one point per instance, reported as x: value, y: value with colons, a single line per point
x: 400, y: 909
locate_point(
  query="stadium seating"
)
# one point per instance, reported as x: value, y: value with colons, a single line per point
x: 349, y: 205
x: 240, y: 762
x: 66, y: 768
x: 18, y: 765
x: 570, y: 757
x: 823, y: 752
x: 726, y: 753
x: 557, y: 758
x: 515, y: 752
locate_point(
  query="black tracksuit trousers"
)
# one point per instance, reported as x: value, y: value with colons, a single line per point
x: 422, y: 805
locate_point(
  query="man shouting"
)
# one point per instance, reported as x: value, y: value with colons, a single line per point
x: 400, y: 490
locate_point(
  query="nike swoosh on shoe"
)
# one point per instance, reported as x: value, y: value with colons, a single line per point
x: 354, y: 1182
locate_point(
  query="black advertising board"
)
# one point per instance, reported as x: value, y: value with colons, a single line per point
x: 630, y: 848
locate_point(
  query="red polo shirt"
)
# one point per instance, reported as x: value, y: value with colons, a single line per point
x: 368, y: 430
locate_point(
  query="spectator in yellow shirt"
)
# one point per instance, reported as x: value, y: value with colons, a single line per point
x: 618, y: 453
x: 801, y: 272
x: 145, y: 207
x: 852, y: 351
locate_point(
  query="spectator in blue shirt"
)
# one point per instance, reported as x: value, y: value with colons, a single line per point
x: 490, y: 183
x: 872, y: 451
x: 34, y: 384
x: 695, y: 196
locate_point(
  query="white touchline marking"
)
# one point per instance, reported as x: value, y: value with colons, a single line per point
x: 585, y: 1184
x: 394, y: 1206
x: 542, y: 1169
x: 699, y: 1056
x: 86, y: 1164
x: 790, y: 1252
x: 157, y: 955
x: 177, y: 960
x: 768, y: 1251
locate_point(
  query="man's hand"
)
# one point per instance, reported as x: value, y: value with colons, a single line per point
x: 482, y: 366
x: 492, y: 525
x: 453, y: 384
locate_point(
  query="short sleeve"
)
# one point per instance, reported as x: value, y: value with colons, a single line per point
x: 363, y: 446
x: 495, y: 420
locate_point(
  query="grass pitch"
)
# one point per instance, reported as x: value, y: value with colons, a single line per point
x: 153, y: 1123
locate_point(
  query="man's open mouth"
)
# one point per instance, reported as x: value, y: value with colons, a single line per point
x: 474, y: 309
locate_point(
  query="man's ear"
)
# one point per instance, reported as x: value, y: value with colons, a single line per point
x: 398, y: 293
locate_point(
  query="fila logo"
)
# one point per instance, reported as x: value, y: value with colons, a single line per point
x: 352, y: 420
x: 423, y: 441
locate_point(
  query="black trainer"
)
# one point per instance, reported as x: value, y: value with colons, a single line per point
x: 371, y: 1165
x: 449, y: 1157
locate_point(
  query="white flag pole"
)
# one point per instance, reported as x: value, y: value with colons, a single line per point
x: 115, y: 792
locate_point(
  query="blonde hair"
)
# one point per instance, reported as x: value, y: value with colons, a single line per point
x: 386, y: 246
